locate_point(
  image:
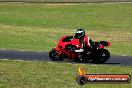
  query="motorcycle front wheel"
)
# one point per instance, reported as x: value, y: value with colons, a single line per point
x: 53, y: 55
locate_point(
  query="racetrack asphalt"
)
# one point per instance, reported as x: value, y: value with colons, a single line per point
x: 43, y: 56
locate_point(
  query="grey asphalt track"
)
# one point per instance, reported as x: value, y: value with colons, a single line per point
x: 43, y: 56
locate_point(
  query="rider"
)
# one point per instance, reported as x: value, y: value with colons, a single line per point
x: 83, y: 39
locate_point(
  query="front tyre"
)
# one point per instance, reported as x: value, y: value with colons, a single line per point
x: 53, y: 55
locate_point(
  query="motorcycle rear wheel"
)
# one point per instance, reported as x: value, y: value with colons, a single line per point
x: 102, y: 56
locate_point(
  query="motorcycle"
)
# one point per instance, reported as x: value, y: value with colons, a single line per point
x: 69, y: 49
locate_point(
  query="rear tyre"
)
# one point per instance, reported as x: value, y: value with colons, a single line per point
x: 102, y: 56
x: 53, y: 55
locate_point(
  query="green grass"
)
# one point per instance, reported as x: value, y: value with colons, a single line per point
x: 66, y: 0
x: 25, y: 26
x: 25, y: 74
x: 91, y: 16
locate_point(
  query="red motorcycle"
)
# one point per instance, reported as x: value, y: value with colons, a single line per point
x: 69, y: 49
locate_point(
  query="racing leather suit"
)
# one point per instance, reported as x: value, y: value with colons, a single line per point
x: 86, y: 42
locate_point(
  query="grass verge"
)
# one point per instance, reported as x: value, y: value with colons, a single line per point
x: 33, y: 74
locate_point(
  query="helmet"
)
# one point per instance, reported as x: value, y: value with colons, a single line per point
x: 80, y: 33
